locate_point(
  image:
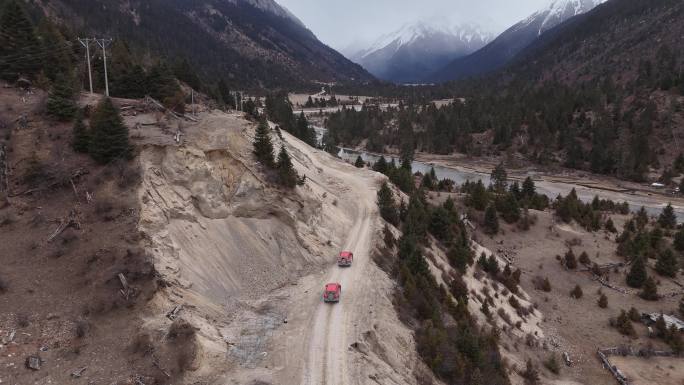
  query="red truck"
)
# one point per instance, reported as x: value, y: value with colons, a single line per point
x: 345, y: 258
x: 332, y: 292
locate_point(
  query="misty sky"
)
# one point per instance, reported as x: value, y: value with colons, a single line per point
x: 358, y: 22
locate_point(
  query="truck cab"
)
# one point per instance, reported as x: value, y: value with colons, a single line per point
x: 332, y: 292
x: 345, y: 258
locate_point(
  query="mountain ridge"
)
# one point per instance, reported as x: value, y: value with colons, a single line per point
x: 406, y: 54
x: 509, y: 43
x: 252, y: 43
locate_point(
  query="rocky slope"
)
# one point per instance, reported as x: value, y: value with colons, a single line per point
x: 247, y: 261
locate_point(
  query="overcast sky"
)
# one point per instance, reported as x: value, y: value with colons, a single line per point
x: 358, y: 22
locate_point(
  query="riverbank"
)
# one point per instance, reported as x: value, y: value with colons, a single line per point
x: 551, y: 182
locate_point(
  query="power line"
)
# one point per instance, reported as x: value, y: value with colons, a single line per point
x: 103, y: 43
x: 86, y: 43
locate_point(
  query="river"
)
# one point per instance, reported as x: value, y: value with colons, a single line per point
x: 653, y: 204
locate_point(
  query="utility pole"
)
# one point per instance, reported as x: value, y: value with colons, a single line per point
x: 86, y: 43
x: 103, y: 43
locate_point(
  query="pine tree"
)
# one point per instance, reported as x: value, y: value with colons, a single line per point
x: 515, y: 190
x: 381, y: 165
x: 667, y: 218
x: 491, y: 221
x: 641, y: 218
x: 263, y: 147
x: 624, y: 324
x: 164, y: 87
x: 678, y: 242
x: 637, y: 273
x: 603, y: 301
x: 678, y: 165
x: 359, y: 162
x: 528, y: 188
x: 287, y: 176
x: 127, y: 79
x: 570, y: 260
x: 108, y: 134
x: 584, y: 258
x: 667, y: 264
x: 499, y: 178
x: 19, y: 47
x: 509, y: 208
x: 650, y: 290
x: 478, y: 196
x: 226, y: 96
x: 80, y: 136
x: 531, y: 375
x: 55, y: 61
x: 61, y: 103
x: 576, y: 293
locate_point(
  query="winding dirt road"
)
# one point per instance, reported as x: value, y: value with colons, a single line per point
x: 331, y: 326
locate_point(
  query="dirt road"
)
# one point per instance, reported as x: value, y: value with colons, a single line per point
x: 331, y: 327
x: 328, y: 344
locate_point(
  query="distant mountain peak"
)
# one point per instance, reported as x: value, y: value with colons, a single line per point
x: 559, y: 11
x: 408, y: 53
x: 412, y: 32
x: 508, y: 44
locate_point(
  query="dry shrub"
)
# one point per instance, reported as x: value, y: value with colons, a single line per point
x: 68, y: 236
x: 82, y: 328
x: 504, y: 316
x: 142, y: 343
x: 524, y: 311
x: 552, y: 364
x: 127, y: 174
x: 542, y: 284
x: 105, y: 209
x: 576, y: 293
x: 573, y: 242
x: 181, y: 330
x: 56, y: 253
x: 7, y: 219
x: 514, y: 302
x: 23, y: 320
x: 182, y: 335
x: 37, y: 220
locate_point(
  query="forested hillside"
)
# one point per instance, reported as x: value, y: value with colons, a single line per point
x: 602, y: 92
x: 248, y: 43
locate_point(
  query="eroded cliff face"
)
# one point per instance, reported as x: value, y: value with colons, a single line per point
x: 245, y: 261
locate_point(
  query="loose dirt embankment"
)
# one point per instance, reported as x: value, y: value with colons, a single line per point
x: 248, y: 262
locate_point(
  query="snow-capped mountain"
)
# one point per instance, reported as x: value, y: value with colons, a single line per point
x: 414, y: 50
x: 558, y: 12
x: 504, y: 48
